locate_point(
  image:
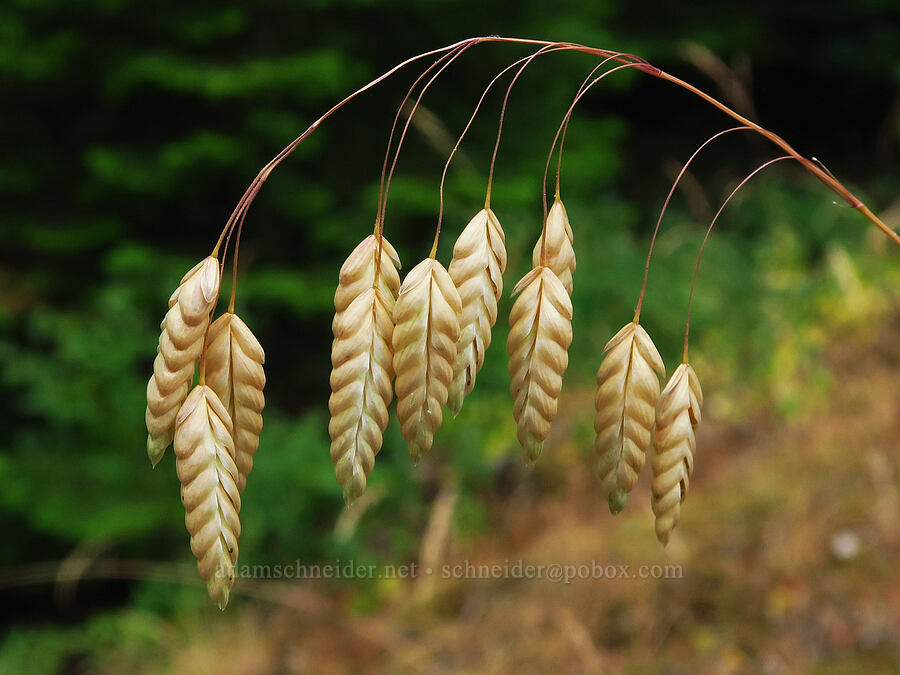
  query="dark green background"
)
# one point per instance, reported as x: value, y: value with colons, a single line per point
x: 129, y: 130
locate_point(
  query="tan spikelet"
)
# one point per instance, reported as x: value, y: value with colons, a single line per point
x: 358, y: 274
x: 539, y: 338
x: 180, y: 345
x: 560, y: 253
x: 677, y: 416
x: 426, y: 328
x: 234, y: 371
x: 479, y: 260
x: 627, y: 391
x: 360, y: 387
x: 204, y: 460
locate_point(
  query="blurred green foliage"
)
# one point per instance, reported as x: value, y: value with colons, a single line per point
x: 129, y: 130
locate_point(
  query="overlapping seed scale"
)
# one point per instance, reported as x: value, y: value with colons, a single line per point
x: 627, y: 392
x: 358, y: 273
x: 479, y: 260
x: 539, y: 338
x: 179, y: 349
x: 426, y: 329
x: 677, y: 417
x: 234, y: 371
x: 560, y: 252
x: 204, y: 461
x: 361, y: 358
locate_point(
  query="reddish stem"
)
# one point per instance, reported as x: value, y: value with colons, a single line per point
x: 487, y: 203
x: 640, y: 302
x: 830, y: 181
x: 582, y: 91
x: 687, y: 325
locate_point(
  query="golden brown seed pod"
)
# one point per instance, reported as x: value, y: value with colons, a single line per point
x: 539, y: 338
x: 426, y: 328
x: 180, y: 345
x: 627, y: 391
x: 479, y: 260
x: 358, y: 274
x: 204, y: 460
x: 234, y: 371
x: 360, y: 388
x: 677, y: 416
x: 560, y: 254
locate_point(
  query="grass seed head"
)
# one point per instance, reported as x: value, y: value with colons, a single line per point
x: 358, y: 274
x: 426, y: 329
x: 479, y: 260
x: 539, y: 338
x: 627, y: 392
x: 560, y: 253
x: 204, y: 460
x: 362, y: 371
x: 180, y: 345
x: 234, y: 371
x: 677, y: 417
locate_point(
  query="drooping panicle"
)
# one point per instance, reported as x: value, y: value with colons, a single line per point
x: 479, y: 260
x: 539, y: 338
x: 627, y: 392
x: 234, y: 371
x: 426, y: 330
x: 204, y: 460
x: 560, y: 253
x: 179, y: 349
x: 361, y: 359
x: 677, y: 418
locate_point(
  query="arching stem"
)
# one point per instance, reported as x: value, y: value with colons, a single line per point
x: 640, y: 302
x: 687, y: 323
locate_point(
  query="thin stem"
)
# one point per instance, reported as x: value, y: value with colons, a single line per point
x: 457, y: 53
x: 487, y: 199
x: 387, y: 152
x: 234, y: 274
x: 379, y: 226
x: 582, y: 91
x: 565, y: 130
x: 687, y: 323
x: 487, y: 203
x: 641, y: 65
x: 640, y: 302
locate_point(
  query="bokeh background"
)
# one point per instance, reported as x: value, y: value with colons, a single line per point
x: 128, y: 131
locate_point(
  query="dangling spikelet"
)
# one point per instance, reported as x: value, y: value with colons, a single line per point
x: 360, y: 388
x: 539, y: 338
x: 627, y: 391
x: 204, y: 460
x: 234, y: 371
x: 677, y: 416
x: 479, y: 260
x: 179, y: 349
x: 361, y: 362
x: 358, y: 274
x: 426, y: 328
x: 560, y: 254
